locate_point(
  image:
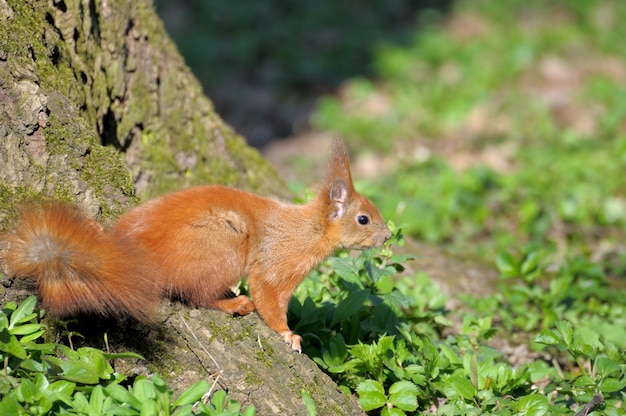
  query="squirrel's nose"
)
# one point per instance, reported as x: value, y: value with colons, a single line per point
x: 388, y: 234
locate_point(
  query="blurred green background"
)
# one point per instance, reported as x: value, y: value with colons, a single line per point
x: 497, y: 124
x: 263, y: 63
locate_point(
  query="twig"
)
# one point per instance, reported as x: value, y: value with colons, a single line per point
x: 207, y: 396
x: 558, y: 368
x: 199, y: 343
x: 595, y: 401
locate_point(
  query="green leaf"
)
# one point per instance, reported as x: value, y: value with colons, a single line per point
x: 309, y: 404
x: 149, y: 408
x: 611, y: 385
x: 10, y: 345
x: 10, y: 406
x: 144, y: 389
x: 547, y: 337
x: 450, y: 354
x: 584, y: 381
x: 415, y: 373
x: 33, y: 336
x: 506, y: 264
x: 96, y: 359
x: 371, y: 395
x: 560, y: 286
x: 123, y: 411
x: 372, y: 270
x: 462, y: 386
x: 68, y: 398
x: 346, y: 268
x: 26, y: 391
x: 25, y: 329
x: 334, y: 359
x: 566, y: 331
x: 473, y: 370
x: 530, y: 263
x: 41, y: 382
x: 96, y: 401
x: 383, y: 318
x: 159, y: 383
x: 584, y: 349
x: 385, y: 285
x: 193, y: 393
x: 122, y: 396
x: 533, y: 405
x: 163, y: 394
x: 79, y: 372
x: 391, y: 412
x: 349, y: 306
x: 605, y: 366
x: 251, y: 411
x: 116, y: 356
x: 79, y: 402
x: 218, y: 400
x: 62, y: 387
x: 403, y: 395
x: 23, y: 311
x: 9, y: 308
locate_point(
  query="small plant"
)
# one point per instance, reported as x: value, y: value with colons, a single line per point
x: 401, y: 397
x: 599, y: 369
x: 387, y: 344
x: 47, y: 378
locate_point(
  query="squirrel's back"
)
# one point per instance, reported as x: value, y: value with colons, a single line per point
x: 200, y: 238
x: 77, y: 267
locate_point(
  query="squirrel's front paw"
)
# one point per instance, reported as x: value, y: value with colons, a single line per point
x: 293, y: 340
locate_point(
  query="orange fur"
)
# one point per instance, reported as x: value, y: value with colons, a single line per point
x: 194, y: 245
x: 78, y: 267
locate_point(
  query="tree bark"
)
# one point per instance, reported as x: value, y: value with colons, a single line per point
x: 97, y: 107
x: 94, y: 90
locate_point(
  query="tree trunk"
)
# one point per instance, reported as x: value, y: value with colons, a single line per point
x: 97, y: 107
x: 94, y: 90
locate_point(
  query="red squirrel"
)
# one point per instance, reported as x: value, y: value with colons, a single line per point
x: 192, y: 245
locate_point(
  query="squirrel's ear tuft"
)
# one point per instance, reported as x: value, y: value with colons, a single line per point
x: 338, y: 195
x: 337, y: 167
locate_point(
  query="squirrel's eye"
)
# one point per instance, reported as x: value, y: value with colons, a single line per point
x: 363, y: 219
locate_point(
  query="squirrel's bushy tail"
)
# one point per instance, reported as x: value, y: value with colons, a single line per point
x: 77, y: 266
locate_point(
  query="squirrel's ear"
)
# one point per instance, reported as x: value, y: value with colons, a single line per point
x: 339, y: 164
x: 338, y: 194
